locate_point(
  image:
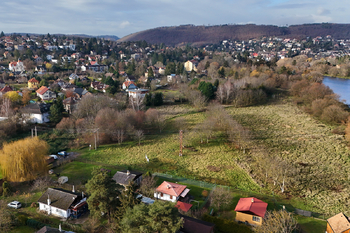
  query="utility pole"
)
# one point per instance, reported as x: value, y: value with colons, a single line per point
x: 32, y: 133
x: 181, y: 140
x: 95, y: 140
x: 36, y: 132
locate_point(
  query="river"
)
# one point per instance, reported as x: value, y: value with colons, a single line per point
x: 340, y: 86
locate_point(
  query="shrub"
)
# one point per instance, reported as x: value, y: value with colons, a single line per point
x: 226, y: 225
x: 334, y: 114
x: 34, y: 224
x: 205, y: 193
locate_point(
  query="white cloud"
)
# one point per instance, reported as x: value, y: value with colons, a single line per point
x: 124, y: 24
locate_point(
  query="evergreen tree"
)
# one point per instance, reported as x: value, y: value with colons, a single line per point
x: 148, y: 99
x: 2, y: 34
x: 128, y: 199
x: 59, y: 103
x: 103, y: 194
x: 207, y: 90
x: 150, y: 73
x: 158, y: 99
x: 55, y: 114
x: 158, y: 217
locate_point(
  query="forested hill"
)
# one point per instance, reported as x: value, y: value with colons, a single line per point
x: 213, y: 34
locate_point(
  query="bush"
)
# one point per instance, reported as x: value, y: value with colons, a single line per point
x: 6, y: 189
x: 334, y: 114
x: 226, y: 225
x: 34, y: 224
x: 22, y: 220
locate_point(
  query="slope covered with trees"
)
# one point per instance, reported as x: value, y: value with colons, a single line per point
x: 214, y: 34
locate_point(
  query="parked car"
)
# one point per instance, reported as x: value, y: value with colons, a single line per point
x: 63, y: 153
x: 54, y: 156
x: 14, y: 204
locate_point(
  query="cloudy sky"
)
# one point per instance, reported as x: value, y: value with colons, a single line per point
x: 123, y: 17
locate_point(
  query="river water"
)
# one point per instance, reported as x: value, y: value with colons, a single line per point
x: 339, y: 86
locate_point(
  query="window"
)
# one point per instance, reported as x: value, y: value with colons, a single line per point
x: 161, y: 194
x: 256, y: 219
x: 171, y: 197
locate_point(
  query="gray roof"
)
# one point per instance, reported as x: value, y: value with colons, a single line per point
x: 121, y: 177
x: 37, y: 108
x: 60, y: 198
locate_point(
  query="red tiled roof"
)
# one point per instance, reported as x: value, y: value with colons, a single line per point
x: 183, y: 206
x: 6, y: 89
x: 171, y: 188
x: 42, y: 90
x: 128, y: 83
x: 33, y: 80
x: 251, y: 205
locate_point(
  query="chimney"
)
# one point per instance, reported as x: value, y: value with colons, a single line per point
x: 252, y: 200
x: 48, y: 200
x: 168, y: 186
x: 128, y: 172
x: 73, y: 189
x: 60, y: 227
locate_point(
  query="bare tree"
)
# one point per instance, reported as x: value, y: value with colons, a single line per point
x: 136, y: 103
x: 220, y: 197
x: 148, y: 185
x: 277, y: 222
x: 120, y: 134
x: 139, y: 135
x: 6, y: 109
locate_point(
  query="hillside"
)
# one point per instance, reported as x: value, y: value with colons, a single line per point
x: 213, y: 34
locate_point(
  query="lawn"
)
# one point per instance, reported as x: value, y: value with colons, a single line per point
x: 310, y: 225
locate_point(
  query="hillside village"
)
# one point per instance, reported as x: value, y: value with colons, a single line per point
x: 132, y: 128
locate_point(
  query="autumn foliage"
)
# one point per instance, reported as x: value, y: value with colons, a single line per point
x: 24, y: 159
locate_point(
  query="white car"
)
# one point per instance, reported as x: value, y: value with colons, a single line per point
x: 14, y: 204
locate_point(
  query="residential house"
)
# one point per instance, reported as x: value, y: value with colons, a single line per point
x: 16, y: 66
x: 183, y: 206
x: 63, y: 203
x: 73, y: 77
x: 168, y: 191
x: 125, y: 177
x: 338, y: 224
x: 192, y: 225
x: 4, y: 90
x: 99, y: 86
x: 80, y: 92
x: 36, y: 113
x: 137, y: 93
x: 129, y: 85
x: 40, y: 69
x: 191, y: 65
x: 45, y: 94
x: 69, y: 104
x: 96, y: 67
x: 33, y: 83
x: 38, y: 59
x: 251, y: 211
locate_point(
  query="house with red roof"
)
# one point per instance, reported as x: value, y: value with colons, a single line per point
x: 168, y: 191
x: 4, y: 90
x: 338, y: 224
x: 250, y: 210
x: 185, y: 207
x: 16, y: 66
x: 45, y: 94
x: 129, y: 85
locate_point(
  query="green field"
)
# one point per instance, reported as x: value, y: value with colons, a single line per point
x: 280, y: 128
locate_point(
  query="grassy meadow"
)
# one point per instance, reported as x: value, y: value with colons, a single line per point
x: 281, y: 128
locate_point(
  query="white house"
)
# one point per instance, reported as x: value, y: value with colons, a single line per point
x: 36, y: 113
x: 129, y: 85
x: 168, y: 191
x: 16, y: 66
x: 45, y: 94
x: 191, y: 65
x: 137, y: 93
x: 62, y: 203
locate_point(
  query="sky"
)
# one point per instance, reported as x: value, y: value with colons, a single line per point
x: 123, y: 17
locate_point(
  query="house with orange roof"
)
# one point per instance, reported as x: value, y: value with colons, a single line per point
x: 168, y: 191
x: 251, y: 211
x: 338, y: 224
x: 45, y: 94
x: 33, y: 83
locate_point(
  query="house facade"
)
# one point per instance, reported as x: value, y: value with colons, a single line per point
x: 168, y: 191
x: 62, y: 203
x: 137, y: 93
x: 191, y: 65
x: 129, y: 85
x: 251, y: 211
x: 33, y: 83
x: 36, y: 113
x: 45, y: 94
x: 16, y: 66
